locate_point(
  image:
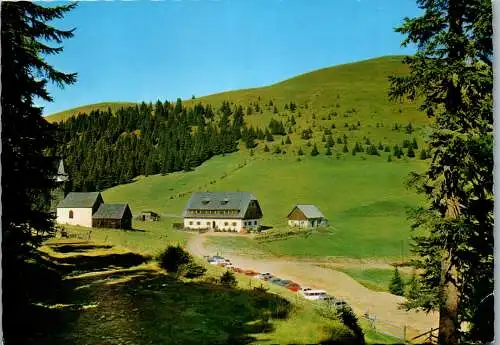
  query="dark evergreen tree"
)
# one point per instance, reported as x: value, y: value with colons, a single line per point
x: 266, y: 148
x: 29, y: 161
x: 397, y: 286
x: 288, y: 141
x: 269, y: 136
x: 314, y: 151
x: 328, y: 151
x: 452, y: 73
x: 300, y: 152
x: 423, y: 154
x: 410, y: 153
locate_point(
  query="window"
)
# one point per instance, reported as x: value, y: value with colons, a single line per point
x: 226, y: 223
x: 234, y: 223
x: 71, y: 214
x: 190, y: 223
x: 197, y: 223
x: 255, y: 222
x: 208, y: 223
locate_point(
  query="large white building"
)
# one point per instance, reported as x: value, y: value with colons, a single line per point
x: 227, y: 211
x: 78, y: 208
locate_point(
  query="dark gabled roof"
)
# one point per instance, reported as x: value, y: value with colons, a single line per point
x: 79, y: 200
x: 220, y: 201
x: 310, y: 211
x: 110, y: 211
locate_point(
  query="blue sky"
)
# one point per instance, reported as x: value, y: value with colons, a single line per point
x: 149, y: 50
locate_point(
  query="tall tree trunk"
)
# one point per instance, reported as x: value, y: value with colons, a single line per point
x: 448, y: 310
x: 448, y: 315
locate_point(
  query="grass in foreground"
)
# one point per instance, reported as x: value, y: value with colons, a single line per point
x: 103, y: 301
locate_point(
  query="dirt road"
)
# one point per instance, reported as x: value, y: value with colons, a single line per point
x: 307, y: 273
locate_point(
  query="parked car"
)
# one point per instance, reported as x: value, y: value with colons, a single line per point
x: 250, y: 273
x: 275, y: 280
x: 264, y: 276
x: 314, y: 294
x: 214, y: 260
x: 283, y: 282
x: 333, y: 301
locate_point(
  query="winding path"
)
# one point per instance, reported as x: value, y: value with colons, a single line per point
x: 383, y: 305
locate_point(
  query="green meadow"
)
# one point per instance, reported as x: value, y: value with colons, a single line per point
x: 376, y: 279
x: 365, y: 200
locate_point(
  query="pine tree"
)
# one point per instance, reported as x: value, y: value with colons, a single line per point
x: 288, y: 141
x: 329, y: 141
x: 328, y: 151
x: 266, y: 148
x: 423, y: 154
x: 345, y: 149
x: 28, y: 141
x: 413, y: 287
x: 300, y: 152
x: 452, y: 73
x: 397, y: 286
x: 414, y: 144
x: 314, y: 151
x: 410, y: 153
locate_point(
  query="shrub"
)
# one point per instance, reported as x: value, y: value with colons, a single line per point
x: 173, y: 257
x: 266, y: 148
x: 228, y: 279
x: 288, y: 141
x: 192, y: 270
x: 300, y: 152
x: 328, y: 151
x: 349, y: 319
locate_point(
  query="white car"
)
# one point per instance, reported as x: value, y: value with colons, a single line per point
x: 314, y: 294
x: 264, y: 276
x: 214, y: 260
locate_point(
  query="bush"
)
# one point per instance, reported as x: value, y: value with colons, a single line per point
x: 349, y: 319
x: 172, y: 258
x: 192, y: 270
x: 228, y: 279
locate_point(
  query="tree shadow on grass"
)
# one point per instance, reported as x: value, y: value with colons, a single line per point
x: 77, y: 248
x: 133, y: 306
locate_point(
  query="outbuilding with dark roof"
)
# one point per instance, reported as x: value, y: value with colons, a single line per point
x: 306, y: 216
x: 114, y: 216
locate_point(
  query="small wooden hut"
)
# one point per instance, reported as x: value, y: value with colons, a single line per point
x: 148, y: 216
x: 115, y: 216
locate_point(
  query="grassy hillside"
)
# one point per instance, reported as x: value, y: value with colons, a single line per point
x: 363, y: 196
x: 365, y: 200
x: 361, y: 85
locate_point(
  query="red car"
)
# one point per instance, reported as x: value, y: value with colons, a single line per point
x: 292, y: 286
